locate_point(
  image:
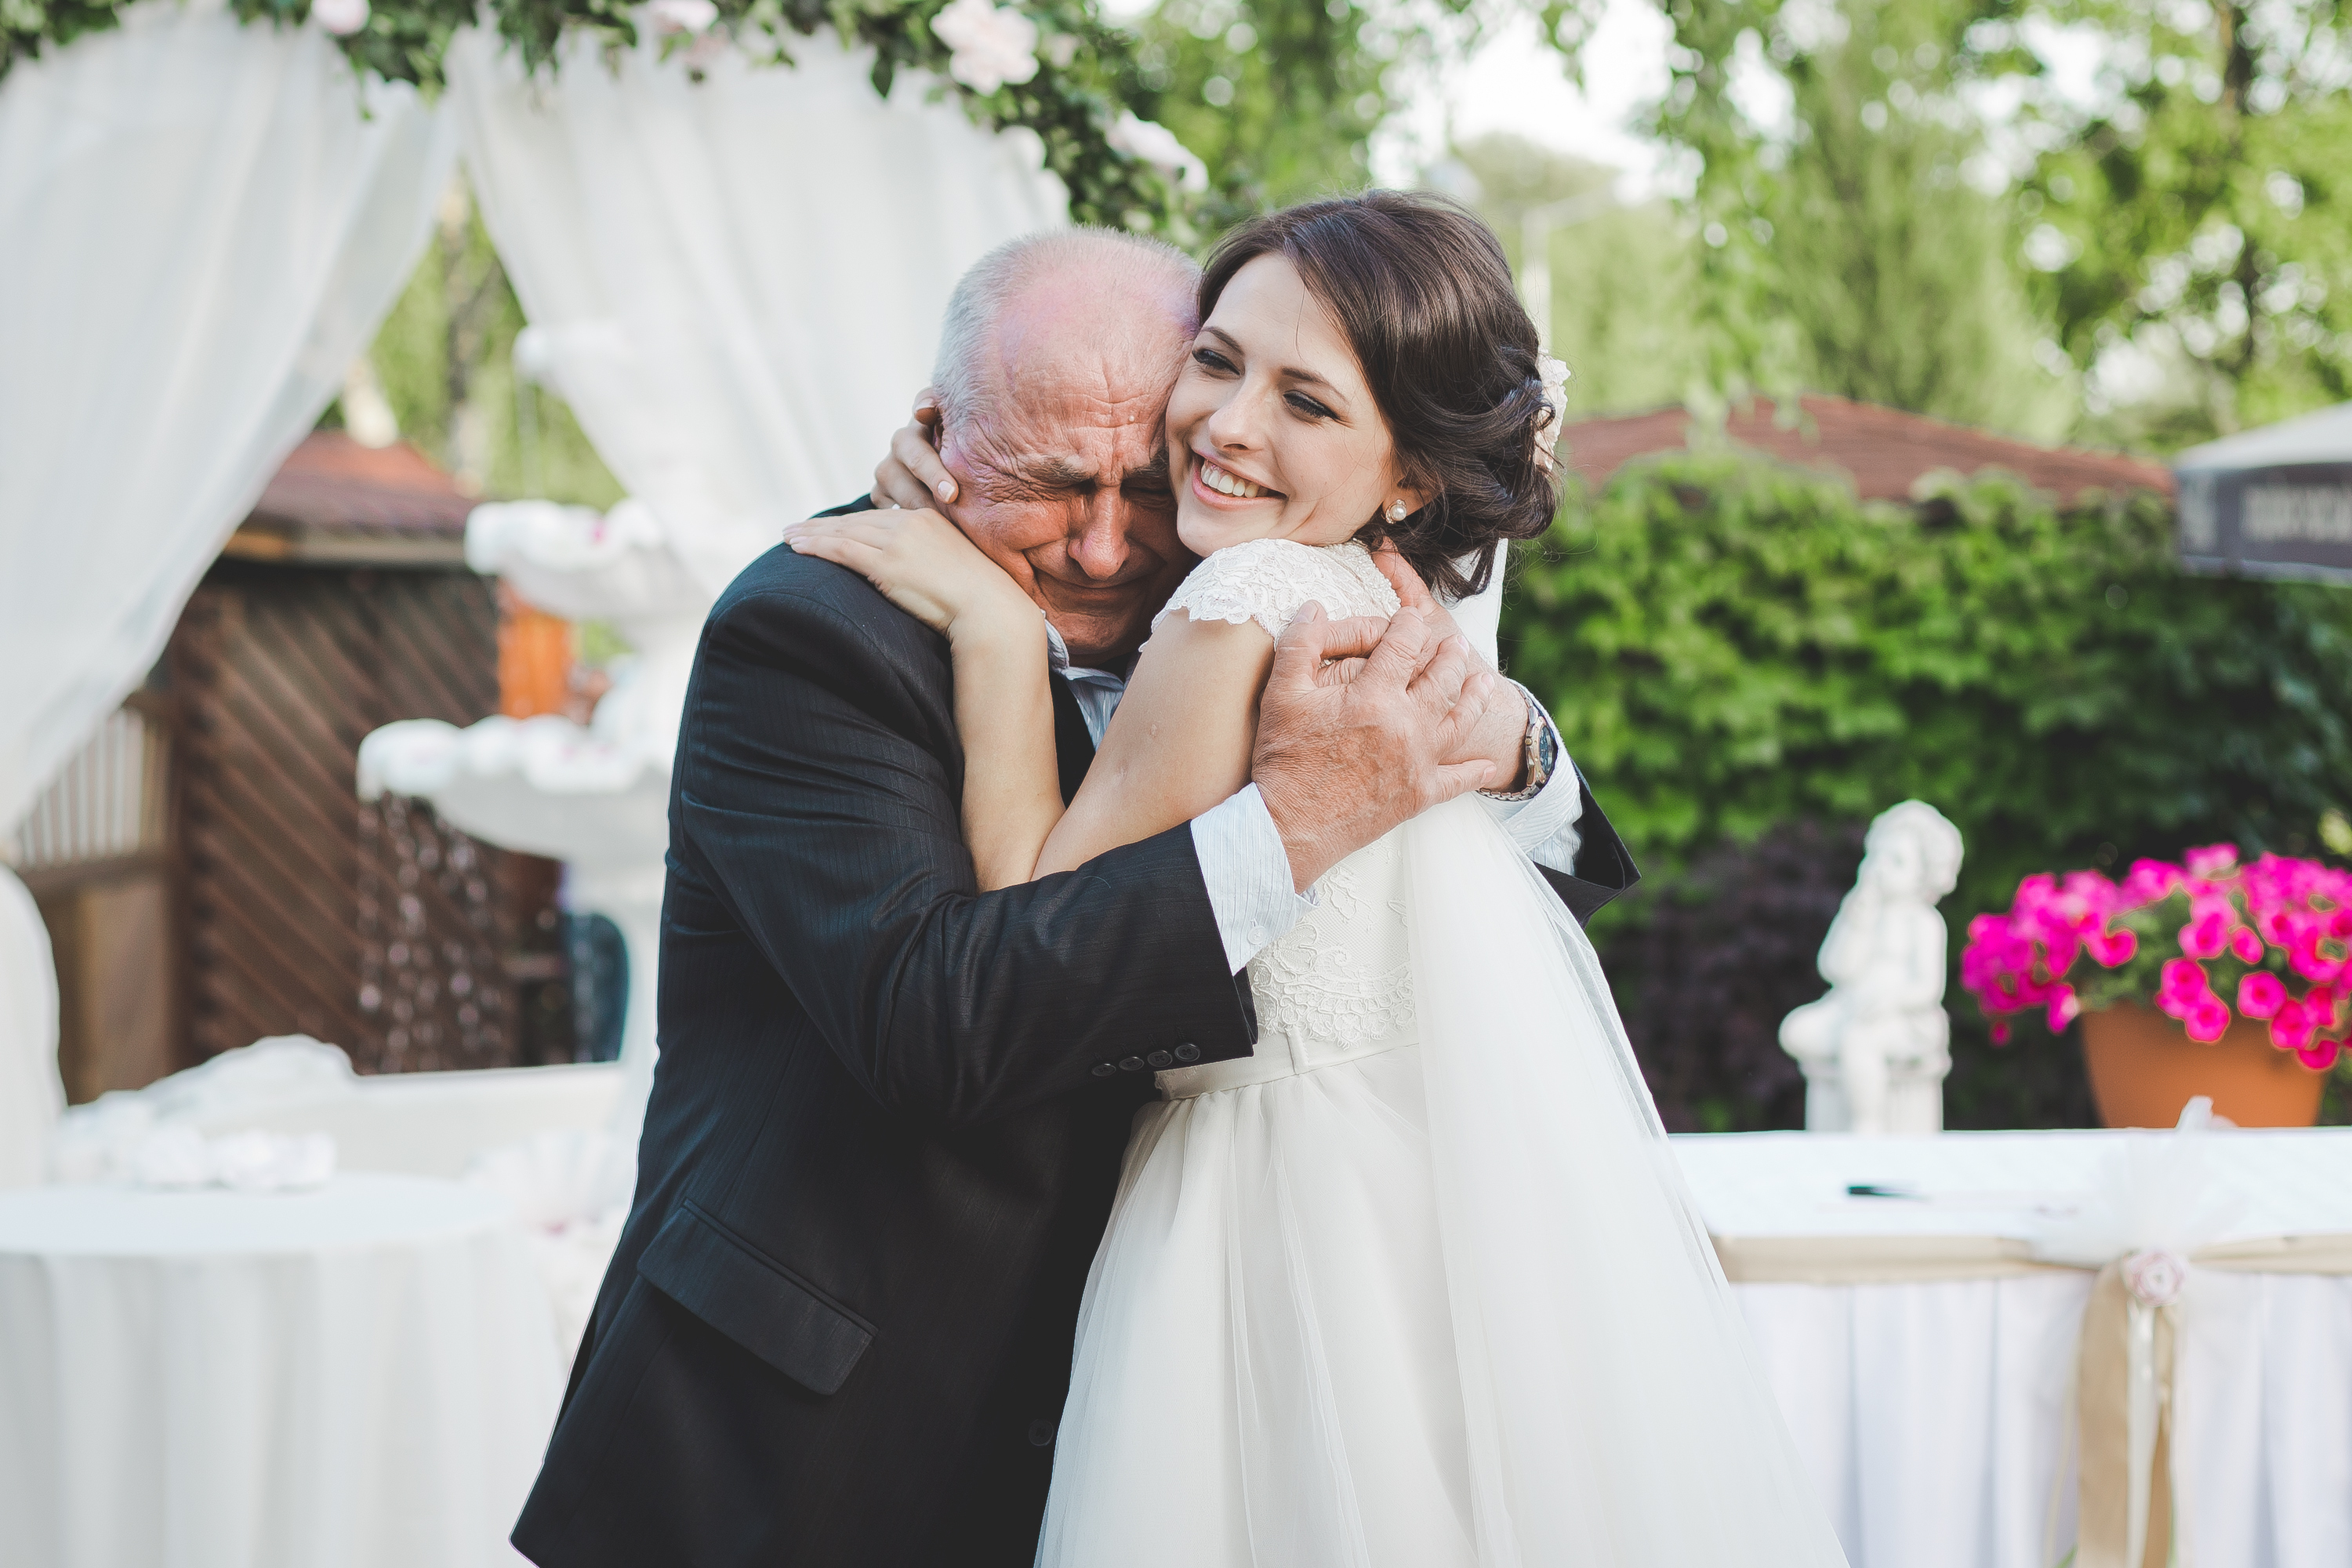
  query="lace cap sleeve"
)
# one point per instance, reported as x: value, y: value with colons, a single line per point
x: 1269, y: 580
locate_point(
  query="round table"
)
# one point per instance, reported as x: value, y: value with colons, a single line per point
x: 363, y: 1376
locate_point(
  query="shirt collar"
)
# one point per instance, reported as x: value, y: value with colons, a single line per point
x: 1057, y: 660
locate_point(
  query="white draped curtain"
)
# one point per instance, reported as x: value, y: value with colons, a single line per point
x: 738, y: 281
x: 201, y: 224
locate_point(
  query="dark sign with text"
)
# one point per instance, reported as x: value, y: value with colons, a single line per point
x: 2294, y: 520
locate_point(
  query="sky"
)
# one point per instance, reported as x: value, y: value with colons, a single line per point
x: 1516, y: 82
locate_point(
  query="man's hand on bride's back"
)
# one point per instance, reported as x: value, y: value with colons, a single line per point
x: 923, y: 564
x: 1355, y: 728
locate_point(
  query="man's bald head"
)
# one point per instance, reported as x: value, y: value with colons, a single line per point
x: 1032, y: 296
x: 1055, y: 362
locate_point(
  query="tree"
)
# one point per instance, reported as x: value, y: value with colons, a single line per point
x: 1622, y: 280
x: 2196, y: 205
x: 1869, y: 166
x: 443, y: 362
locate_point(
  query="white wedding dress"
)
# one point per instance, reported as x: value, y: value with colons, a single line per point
x: 1417, y: 1283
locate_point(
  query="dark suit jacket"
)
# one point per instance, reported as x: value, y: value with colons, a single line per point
x: 887, y: 1125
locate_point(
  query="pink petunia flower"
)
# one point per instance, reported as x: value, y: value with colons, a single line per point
x: 2291, y: 1027
x: 2320, y: 1055
x: 2212, y: 861
x: 2246, y: 945
x: 2064, y: 1008
x: 2207, y: 934
x: 2112, y: 948
x: 2207, y: 1020
x: 2181, y: 985
x: 2259, y: 995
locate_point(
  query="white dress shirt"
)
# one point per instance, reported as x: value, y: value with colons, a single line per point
x: 1242, y: 859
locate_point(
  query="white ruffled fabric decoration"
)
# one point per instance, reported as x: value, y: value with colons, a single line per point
x: 559, y: 1185
x: 106, y: 1140
x: 182, y: 1158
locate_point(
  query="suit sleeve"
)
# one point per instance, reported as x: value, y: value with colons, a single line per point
x: 817, y: 798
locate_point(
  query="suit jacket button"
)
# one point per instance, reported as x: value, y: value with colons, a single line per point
x: 1188, y: 1052
x: 1160, y: 1058
x: 1041, y: 1433
x: 1132, y: 1064
x: 1104, y: 1069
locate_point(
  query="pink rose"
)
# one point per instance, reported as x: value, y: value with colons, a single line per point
x: 341, y: 17
x: 2156, y: 1277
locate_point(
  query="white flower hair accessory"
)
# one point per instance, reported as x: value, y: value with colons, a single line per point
x: 1555, y: 373
x: 991, y: 45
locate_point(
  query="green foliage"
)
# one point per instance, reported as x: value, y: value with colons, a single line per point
x: 1277, y: 97
x: 1731, y: 645
x: 2195, y: 207
x: 1621, y: 281
x: 1086, y: 70
x: 445, y: 361
x: 2202, y: 208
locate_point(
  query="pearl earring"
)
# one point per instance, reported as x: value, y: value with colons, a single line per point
x: 1397, y: 509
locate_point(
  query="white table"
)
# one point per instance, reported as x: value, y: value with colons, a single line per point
x: 1931, y: 1412
x: 359, y: 1377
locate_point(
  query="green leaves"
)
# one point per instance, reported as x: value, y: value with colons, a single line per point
x: 1081, y: 87
x: 1732, y: 646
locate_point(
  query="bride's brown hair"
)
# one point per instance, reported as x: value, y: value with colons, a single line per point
x: 1422, y: 291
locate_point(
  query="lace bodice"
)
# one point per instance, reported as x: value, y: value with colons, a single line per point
x: 1341, y: 981
x: 1270, y: 580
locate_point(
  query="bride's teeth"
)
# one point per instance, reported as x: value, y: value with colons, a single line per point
x: 1223, y: 483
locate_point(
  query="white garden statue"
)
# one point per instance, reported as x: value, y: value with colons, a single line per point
x: 1876, y: 1049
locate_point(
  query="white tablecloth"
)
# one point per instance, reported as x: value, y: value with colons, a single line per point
x: 1931, y: 1415
x: 360, y: 1378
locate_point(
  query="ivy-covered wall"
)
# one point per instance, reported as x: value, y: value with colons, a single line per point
x: 1736, y: 650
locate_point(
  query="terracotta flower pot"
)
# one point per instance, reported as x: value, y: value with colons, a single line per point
x: 2145, y: 1069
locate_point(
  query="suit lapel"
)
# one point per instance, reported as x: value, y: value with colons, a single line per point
x: 1074, y: 749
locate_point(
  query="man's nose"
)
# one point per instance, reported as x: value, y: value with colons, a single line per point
x: 1100, y: 546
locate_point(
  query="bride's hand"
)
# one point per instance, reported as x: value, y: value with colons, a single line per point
x: 923, y: 564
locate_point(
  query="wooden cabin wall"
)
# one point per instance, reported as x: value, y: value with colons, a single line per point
x: 372, y: 926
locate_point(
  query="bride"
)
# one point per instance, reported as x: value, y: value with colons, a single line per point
x: 1417, y: 1283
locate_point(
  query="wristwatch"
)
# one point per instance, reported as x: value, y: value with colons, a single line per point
x: 1542, y: 752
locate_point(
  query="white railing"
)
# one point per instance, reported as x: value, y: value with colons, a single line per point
x: 111, y: 800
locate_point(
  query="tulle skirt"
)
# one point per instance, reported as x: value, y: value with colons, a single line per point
x: 1446, y: 1304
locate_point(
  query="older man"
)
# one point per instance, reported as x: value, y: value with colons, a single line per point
x: 888, y: 1123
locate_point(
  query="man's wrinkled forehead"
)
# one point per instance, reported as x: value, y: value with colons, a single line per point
x: 1105, y: 356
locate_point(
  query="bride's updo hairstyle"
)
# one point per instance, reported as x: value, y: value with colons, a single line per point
x: 1422, y: 292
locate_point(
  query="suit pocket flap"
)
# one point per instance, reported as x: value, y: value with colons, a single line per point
x: 698, y: 1264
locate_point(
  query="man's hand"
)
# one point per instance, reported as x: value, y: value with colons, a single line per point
x: 912, y: 476
x: 1502, y: 738
x: 1344, y: 753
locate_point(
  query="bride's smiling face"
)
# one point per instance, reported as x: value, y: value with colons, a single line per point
x: 1272, y: 431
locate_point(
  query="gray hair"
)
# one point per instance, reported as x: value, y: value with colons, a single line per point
x: 1112, y: 255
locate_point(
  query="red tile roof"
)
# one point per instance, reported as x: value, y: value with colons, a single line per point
x: 1883, y: 450
x: 336, y: 501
